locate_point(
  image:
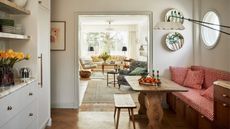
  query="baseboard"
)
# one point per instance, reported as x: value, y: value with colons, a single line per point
x: 46, y: 123
x: 64, y: 105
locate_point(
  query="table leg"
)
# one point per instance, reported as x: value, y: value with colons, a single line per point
x: 107, y: 79
x: 154, y: 110
x: 114, y: 80
x: 102, y: 67
x: 141, y: 99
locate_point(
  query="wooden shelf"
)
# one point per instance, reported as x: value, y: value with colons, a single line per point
x: 12, y: 8
x: 13, y: 36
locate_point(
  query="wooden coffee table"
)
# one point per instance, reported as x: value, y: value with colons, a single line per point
x: 150, y: 98
x: 107, y: 64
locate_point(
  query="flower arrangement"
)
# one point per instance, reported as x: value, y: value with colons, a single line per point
x: 104, y: 56
x: 7, y: 60
x: 9, y: 57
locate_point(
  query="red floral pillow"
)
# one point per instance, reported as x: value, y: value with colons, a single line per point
x: 208, y: 93
x: 194, y: 79
x: 178, y: 74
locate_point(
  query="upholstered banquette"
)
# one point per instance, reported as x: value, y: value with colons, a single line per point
x: 197, y: 105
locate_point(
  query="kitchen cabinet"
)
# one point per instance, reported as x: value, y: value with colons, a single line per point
x: 19, y: 109
x: 37, y: 25
x: 222, y: 105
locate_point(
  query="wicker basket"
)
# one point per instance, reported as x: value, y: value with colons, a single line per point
x: 85, y: 74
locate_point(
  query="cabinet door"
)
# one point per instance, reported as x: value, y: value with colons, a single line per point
x: 44, y: 3
x: 44, y: 66
x: 222, y: 115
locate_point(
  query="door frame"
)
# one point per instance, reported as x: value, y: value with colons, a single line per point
x: 76, y: 44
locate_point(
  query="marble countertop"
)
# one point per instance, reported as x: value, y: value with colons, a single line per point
x: 225, y: 84
x: 6, y: 90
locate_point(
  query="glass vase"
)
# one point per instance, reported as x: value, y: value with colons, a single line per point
x: 6, y: 76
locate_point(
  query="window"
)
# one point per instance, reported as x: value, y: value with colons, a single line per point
x: 210, y: 37
x: 111, y: 42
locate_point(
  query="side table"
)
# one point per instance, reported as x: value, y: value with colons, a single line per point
x: 114, y: 82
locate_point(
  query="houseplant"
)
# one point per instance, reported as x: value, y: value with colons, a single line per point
x: 7, y: 60
x: 104, y: 56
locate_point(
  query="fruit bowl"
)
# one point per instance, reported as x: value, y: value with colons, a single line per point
x: 149, y: 81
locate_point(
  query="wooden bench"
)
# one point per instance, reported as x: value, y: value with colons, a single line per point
x: 124, y: 101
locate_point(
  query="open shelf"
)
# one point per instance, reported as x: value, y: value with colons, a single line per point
x: 12, y: 8
x: 13, y: 36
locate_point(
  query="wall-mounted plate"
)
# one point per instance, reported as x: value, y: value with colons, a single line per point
x: 172, y: 14
x: 174, y: 41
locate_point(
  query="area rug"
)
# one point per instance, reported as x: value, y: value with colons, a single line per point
x: 97, y: 75
x: 98, y: 92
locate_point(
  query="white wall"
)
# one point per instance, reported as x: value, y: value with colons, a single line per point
x: 62, y: 62
x: 219, y: 56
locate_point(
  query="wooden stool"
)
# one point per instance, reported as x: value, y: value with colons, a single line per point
x: 124, y: 101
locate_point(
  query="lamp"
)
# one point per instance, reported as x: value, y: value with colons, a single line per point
x: 91, y: 49
x: 178, y: 26
x: 141, y: 49
x: 124, y: 49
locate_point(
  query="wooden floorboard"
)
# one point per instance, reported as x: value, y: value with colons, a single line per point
x: 74, y: 119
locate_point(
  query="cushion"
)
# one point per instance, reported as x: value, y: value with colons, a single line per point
x: 212, y: 75
x: 208, y: 93
x: 96, y: 59
x: 194, y: 79
x: 197, y: 102
x: 178, y: 74
x: 138, y: 71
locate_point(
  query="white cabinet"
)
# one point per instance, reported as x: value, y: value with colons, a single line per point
x: 44, y: 3
x: 44, y: 65
x: 19, y: 109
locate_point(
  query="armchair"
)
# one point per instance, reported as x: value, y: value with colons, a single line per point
x: 133, y: 65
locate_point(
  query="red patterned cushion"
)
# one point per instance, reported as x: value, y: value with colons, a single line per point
x: 197, y: 102
x: 194, y: 79
x: 212, y: 75
x: 208, y: 93
x: 178, y: 74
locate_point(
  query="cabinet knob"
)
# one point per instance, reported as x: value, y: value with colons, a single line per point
x: 202, y: 116
x: 30, y: 94
x: 9, y: 108
x: 224, y: 105
x: 31, y: 114
x: 224, y: 95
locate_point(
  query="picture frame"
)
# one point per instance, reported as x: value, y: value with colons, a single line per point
x: 58, y: 36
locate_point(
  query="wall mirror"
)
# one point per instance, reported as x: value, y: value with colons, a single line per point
x: 210, y: 37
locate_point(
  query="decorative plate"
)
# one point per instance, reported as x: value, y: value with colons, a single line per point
x: 172, y: 14
x: 174, y: 41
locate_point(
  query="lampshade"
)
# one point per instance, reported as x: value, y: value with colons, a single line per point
x: 124, y: 48
x: 169, y: 26
x: 91, y: 48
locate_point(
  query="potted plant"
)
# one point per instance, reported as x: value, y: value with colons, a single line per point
x: 104, y: 56
x: 7, y: 60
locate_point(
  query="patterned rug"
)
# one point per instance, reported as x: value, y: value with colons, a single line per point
x: 98, y: 92
x: 97, y: 75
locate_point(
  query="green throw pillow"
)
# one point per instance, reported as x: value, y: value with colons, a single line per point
x: 138, y: 71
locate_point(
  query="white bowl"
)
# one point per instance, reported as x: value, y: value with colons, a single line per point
x: 20, y: 3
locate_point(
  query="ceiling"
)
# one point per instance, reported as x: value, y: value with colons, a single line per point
x: 114, y: 19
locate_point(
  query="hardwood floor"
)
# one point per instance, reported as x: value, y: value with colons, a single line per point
x: 73, y: 119
x: 100, y: 116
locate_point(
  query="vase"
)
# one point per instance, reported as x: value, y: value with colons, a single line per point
x: 6, y: 76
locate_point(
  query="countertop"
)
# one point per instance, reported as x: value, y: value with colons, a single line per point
x: 6, y: 90
x: 225, y: 84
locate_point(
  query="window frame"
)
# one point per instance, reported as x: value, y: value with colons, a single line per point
x: 219, y: 35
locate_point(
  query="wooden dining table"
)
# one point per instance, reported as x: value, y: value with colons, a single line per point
x: 151, y: 97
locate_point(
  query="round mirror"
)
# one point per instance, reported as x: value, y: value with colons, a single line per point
x: 210, y: 37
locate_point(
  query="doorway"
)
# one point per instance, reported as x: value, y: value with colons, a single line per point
x: 127, y: 41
